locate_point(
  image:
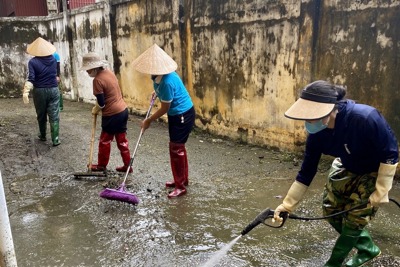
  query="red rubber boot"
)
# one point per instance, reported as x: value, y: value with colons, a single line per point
x: 178, y: 164
x: 186, y: 182
x: 123, y: 146
x: 186, y: 168
x: 104, y: 152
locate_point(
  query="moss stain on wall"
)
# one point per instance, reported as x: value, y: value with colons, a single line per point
x: 243, y: 62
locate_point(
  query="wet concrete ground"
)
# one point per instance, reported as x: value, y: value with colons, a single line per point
x: 57, y: 220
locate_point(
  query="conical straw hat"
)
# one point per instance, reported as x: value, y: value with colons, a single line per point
x: 91, y: 61
x: 40, y: 48
x: 154, y: 61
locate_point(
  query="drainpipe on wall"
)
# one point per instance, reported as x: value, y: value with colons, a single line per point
x: 68, y: 35
x: 65, y: 14
x: 7, y: 252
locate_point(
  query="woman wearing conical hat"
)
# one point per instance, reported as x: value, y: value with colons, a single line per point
x: 177, y: 104
x: 42, y: 78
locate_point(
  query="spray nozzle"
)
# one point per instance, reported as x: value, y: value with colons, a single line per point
x: 266, y: 214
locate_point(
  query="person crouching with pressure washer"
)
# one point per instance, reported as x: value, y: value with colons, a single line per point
x: 114, y: 112
x: 176, y: 102
x: 366, y: 156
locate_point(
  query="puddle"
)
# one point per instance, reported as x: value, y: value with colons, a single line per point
x: 60, y: 221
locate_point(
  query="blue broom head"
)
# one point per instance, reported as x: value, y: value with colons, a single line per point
x: 119, y: 195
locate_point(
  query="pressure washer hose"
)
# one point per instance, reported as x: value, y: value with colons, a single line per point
x: 268, y: 213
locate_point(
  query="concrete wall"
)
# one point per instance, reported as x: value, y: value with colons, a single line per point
x: 136, y: 26
x: 90, y: 29
x: 243, y: 62
x: 74, y: 34
x: 244, y: 58
x: 13, y: 59
x: 359, y: 45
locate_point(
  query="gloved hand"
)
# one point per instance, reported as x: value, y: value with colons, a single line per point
x: 383, y: 184
x: 293, y: 197
x: 25, y: 92
x: 96, y: 109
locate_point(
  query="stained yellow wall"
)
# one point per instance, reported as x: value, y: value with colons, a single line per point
x: 238, y: 62
x: 243, y: 62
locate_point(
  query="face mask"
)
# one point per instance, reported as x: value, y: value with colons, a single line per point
x: 92, y: 73
x: 315, y: 127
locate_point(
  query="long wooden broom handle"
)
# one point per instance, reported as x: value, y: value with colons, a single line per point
x: 92, y: 142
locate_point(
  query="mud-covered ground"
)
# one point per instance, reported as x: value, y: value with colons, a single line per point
x: 58, y: 220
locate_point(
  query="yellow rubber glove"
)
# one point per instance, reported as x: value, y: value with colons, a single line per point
x: 96, y: 109
x: 293, y: 197
x: 383, y: 184
x: 25, y: 92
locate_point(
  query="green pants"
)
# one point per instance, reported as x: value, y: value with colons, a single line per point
x: 60, y: 87
x: 344, y: 190
x: 47, y: 101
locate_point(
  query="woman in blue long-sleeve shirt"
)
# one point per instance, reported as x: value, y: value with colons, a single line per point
x: 366, y: 157
x: 42, y: 78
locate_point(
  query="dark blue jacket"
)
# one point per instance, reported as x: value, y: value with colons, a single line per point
x: 43, y: 72
x: 362, y: 139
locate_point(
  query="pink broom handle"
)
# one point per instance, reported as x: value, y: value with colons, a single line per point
x: 153, y: 98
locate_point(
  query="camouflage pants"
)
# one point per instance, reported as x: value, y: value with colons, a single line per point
x: 344, y: 190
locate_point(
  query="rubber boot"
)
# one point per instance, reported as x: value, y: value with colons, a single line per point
x: 103, y: 156
x: 177, y: 157
x: 42, y: 131
x: 186, y: 182
x: 123, y: 146
x: 344, y: 244
x: 55, y: 127
x: 337, y: 225
x: 367, y: 250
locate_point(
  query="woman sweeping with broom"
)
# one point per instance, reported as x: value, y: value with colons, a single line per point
x: 114, y: 112
x: 176, y: 102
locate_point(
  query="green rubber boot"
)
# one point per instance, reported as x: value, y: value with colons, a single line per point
x: 54, y: 126
x: 367, y: 250
x: 337, y: 225
x: 344, y: 244
x: 42, y: 131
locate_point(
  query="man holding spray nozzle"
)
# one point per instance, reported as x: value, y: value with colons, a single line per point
x: 366, y: 154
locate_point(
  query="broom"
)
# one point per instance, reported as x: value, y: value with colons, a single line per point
x: 120, y: 194
x: 89, y: 172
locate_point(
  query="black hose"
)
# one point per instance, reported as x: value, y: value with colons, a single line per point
x: 296, y: 217
x: 269, y: 213
x: 394, y: 201
x: 293, y: 216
